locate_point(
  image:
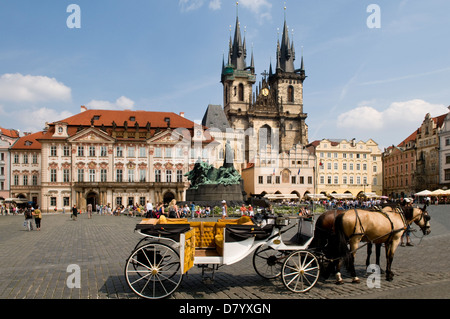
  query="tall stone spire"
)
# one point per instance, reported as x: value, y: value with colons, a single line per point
x: 238, y: 50
x: 286, y: 52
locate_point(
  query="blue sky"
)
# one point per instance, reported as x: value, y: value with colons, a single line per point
x: 362, y: 82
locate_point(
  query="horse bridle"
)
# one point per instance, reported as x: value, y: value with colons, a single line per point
x: 424, y: 215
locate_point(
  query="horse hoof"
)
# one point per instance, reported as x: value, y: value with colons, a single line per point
x: 339, y: 282
x: 356, y: 281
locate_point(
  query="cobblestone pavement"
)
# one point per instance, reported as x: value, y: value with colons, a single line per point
x: 34, y: 265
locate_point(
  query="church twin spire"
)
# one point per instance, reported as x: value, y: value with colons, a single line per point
x: 238, y: 53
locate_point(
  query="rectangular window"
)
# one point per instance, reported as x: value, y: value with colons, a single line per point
x: 142, y: 152
x: 131, y: 176
x: 179, y: 176
x: 310, y: 180
x: 25, y: 180
x: 53, y: 151
x: 118, y: 201
x: 260, y: 180
x: 168, y: 152
x: 80, y: 175
x: 66, y: 151
x: 158, y: 176
x: 35, y: 180
x: 16, y: 158
x: 80, y: 151
x: 269, y: 179
x: 131, y: 152
x: 52, y: 201
x: 301, y: 180
x: 168, y: 176
x: 157, y: 152
x: 66, y: 176
x: 447, y: 174
x: 25, y: 158
x: 35, y: 159
x: 103, y: 151
x: 66, y: 201
x: 119, y: 176
x: 142, y: 175
x: 103, y: 175
x: 53, y: 175
x: 293, y: 179
x: 92, y: 151
x: 119, y: 151
x: 92, y: 175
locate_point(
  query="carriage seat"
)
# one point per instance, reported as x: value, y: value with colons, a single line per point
x: 208, y: 235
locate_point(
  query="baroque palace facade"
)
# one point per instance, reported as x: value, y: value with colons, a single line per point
x: 108, y: 158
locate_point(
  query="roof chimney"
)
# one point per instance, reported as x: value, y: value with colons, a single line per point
x: 182, y: 114
x: 83, y: 109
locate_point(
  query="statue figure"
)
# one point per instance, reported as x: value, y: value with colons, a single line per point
x: 205, y: 174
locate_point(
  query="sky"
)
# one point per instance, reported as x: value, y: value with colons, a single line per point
x: 375, y: 68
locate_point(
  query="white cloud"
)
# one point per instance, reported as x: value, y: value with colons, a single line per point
x: 28, y: 88
x: 122, y: 103
x: 259, y: 7
x: 407, y: 114
x: 215, y: 4
x: 33, y: 121
x: 363, y: 117
x: 189, y: 5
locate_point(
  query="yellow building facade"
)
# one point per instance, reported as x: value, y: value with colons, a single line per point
x: 348, y: 167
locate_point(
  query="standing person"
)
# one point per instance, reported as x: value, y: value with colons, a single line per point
x: 224, y: 209
x: 173, y: 209
x: 251, y: 213
x: 28, y: 219
x: 149, y: 208
x: 192, y: 209
x: 74, y: 212
x: 89, y: 210
x: 37, y: 218
x: 243, y: 210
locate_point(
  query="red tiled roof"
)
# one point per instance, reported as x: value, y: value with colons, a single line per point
x: 10, y: 133
x: 412, y: 137
x: 107, y: 117
x: 28, y: 142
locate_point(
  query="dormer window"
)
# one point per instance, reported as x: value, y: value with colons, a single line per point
x: 132, y: 118
x: 96, y: 117
x: 60, y: 129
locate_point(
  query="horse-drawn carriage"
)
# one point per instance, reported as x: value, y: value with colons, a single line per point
x: 171, y: 247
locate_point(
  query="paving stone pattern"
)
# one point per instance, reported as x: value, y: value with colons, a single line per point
x: 33, y: 265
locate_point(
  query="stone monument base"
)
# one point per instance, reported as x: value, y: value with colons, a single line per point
x: 214, y: 194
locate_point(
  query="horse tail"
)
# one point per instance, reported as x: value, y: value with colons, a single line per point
x: 342, y: 248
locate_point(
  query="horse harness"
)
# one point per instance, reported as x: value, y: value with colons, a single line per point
x: 391, y: 233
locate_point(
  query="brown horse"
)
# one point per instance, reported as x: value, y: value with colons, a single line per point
x: 354, y: 226
x: 326, y: 242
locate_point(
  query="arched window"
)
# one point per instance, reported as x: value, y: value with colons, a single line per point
x: 241, y: 92
x: 290, y: 94
x: 265, y: 136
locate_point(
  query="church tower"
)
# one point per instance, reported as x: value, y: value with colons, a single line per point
x: 274, y: 108
x: 237, y: 79
x: 287, y: 83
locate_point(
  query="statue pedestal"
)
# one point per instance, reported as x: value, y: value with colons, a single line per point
x: 213, y: 194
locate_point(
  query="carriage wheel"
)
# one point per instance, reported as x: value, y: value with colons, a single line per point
x: 153, y: 271
x: 268, y: 262
x: 300, y: 271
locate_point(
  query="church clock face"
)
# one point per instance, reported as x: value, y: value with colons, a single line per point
x: 265, y: 91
